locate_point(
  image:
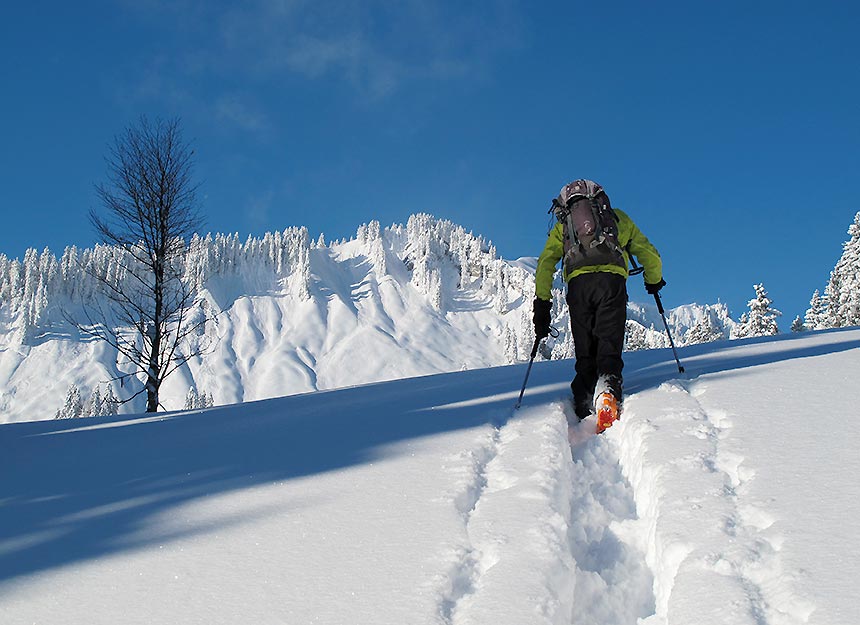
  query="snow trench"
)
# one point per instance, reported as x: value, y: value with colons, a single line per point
x: 623, y: 528
x: 613, y: 582
x: 547, y: 521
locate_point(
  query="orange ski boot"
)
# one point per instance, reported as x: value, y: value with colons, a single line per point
x: 607, y: 411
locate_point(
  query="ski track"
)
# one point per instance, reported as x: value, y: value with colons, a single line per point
x: 738, y: 557
x: 613, y: 532
x: 574, y: 558
x: 465, y: 569
x: 522, y: 465
x: 613, y: 582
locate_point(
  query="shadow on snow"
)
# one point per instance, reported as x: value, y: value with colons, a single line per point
x: 76, y: 490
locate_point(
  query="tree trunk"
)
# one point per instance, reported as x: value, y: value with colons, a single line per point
x: 153, y: 381
x: 152, y: 391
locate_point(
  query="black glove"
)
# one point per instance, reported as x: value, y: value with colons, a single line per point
x: 542, y: 317
x: 653, y: 289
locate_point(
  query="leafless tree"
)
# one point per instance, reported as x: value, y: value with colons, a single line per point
x: 150, y: 210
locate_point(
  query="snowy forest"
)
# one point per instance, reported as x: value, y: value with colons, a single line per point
x: 452, y: 274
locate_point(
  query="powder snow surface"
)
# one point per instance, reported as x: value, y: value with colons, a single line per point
x: 724, y: 496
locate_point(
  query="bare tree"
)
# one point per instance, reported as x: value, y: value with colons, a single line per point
x: 150, y: 210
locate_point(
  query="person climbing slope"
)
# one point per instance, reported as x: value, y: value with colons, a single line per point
x: 595, y: 241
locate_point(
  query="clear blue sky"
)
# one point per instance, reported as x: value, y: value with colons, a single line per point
x: 728, y: 130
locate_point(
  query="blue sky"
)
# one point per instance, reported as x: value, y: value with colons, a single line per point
x: 728, y: 130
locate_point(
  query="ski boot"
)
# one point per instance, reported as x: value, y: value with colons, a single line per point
x: 607, y: 410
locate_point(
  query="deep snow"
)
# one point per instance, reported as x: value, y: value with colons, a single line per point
x: 723, y: 497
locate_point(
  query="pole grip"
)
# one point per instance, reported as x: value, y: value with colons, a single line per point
x: 659, y: 303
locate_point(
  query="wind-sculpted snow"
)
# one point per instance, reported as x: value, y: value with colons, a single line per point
x: 723, y: 497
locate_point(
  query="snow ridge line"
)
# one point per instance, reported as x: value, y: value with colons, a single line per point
x: 696, y: 528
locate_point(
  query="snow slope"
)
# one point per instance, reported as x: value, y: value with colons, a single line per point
x: 723, y: 497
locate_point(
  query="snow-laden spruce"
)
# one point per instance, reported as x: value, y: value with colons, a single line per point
x: 760, y: 320
x: 839, y: 307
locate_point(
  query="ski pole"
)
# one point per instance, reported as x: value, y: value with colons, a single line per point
x: 668, y: 333
x: 528, y: 371
x: 636, y: 269
x: 553, y: 332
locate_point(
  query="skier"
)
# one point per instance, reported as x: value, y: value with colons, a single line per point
x: 595, y: 242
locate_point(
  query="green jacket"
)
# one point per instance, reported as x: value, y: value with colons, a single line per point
x: 630, y: 238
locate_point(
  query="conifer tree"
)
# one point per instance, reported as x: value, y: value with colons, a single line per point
x: 110, y: 404
x: 761, y: 318
x: 814, y: 318
x: 73, y: 406
x: 797, y: 325
x: 509, y: 345
x: 705, y: 330
x: 196, y: 401
x: 843, y: 289
x: 191, y: 399
x: 635, y: 337
x: 94, y: 404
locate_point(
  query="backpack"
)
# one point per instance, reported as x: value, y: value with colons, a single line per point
x: 590, y: 226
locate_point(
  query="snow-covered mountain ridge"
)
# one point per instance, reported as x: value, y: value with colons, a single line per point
x: 297, y: 315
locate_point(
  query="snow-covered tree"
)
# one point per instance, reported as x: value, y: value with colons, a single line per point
x: 705, y: 330
x: 110, y: 404
x: 509, y: 345
x: 500, y: 301
x: 101, y: 404
x: 635, y: 338
x: 93, y: 406
x: 73, y: 406
x: 815, y: 314
x: 563, y: 346
x: 435, y: 291
x: 761, y: 318
x: 526, y: 336
x: 797, y: 325
x: 197, y: 401
x: 840, y: 304
x: 843, y: 288
x: 191, y: 399
x: 376, y: 248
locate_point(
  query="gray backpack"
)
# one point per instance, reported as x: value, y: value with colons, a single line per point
x: 590, y: 226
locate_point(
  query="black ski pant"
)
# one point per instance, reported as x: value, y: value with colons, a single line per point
x: 598, y: 314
